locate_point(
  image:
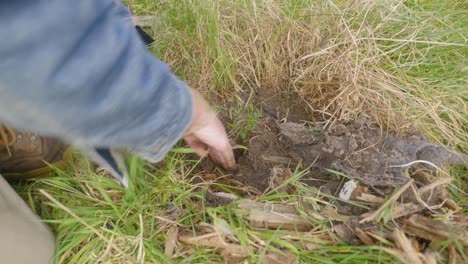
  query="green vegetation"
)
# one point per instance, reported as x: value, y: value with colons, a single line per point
x: 405, y: 62
x: 244, y: 118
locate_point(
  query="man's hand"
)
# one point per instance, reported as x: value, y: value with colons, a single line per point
x: 206, y: 132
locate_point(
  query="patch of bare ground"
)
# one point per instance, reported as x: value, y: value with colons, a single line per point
x: 396, y: 177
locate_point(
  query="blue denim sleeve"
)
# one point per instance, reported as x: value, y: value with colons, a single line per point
x: 78, y: 70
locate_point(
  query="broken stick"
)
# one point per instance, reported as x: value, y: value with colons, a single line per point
x: 378, y: 213
x: 434, y: 230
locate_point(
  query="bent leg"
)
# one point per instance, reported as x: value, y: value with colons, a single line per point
x: 23, y: 237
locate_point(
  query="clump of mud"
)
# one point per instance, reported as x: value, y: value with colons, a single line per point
x: 359, y: 150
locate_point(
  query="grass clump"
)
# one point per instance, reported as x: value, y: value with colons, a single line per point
x: 404, y: 61
x: 96, y: 221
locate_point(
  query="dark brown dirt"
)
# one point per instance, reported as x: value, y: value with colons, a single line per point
x: 358, y: 153
x: 360, y: 150
x: 283, y: 106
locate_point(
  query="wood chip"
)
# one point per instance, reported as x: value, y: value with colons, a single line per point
x: 406, y: 252
x: 400, y: 210
x: 273, y: 220
x: 364, y: 237
x: 369, y: 198
x: 224, y: 195
x: 433, y: 230
x: 283, y: 257
x: 415, y: 245
x: 348, y: 189
x: 452, y: 205
x: 345, y: 233
x: 454, y: 257
x: 278, y: 208
x: 272, y: 216
x: 171, y: 241
x: 232, y: 253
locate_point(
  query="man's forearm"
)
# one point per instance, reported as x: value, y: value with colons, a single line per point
x: 78, y: 70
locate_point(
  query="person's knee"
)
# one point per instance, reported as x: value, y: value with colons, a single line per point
x: 24, y: 240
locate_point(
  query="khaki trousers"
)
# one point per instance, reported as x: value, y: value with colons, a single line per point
x: 24, y: 239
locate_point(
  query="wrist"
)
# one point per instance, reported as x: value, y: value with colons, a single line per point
x: 202, y: 113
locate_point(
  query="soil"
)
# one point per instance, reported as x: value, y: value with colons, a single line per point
x: 360, y: 150
x: 356, y: 161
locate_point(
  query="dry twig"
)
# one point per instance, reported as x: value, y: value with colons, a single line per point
x: 377, y: 214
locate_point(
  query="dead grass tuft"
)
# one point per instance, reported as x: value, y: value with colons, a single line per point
x: 341, y: 57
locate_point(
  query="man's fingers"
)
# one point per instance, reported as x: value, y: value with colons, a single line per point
x: 224, y: 157
x: 207, y: 132
x: 230, y: 162
x: 197, y: 145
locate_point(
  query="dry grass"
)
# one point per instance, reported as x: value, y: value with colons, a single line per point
x: 341, y: 57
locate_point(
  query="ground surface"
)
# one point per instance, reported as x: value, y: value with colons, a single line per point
x: 327, y: 102
x: 375, y: 162
x: 361, y: 149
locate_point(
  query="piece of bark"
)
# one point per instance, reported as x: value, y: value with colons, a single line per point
x: 329, y: 213
x: 171, y: 241
x: 433, y: 230
x: 401, y: 210
x: 277, y: 208
x: 363, y: 236
x: 273, y: 220
x: 378, y: 233
x: 284, y: 257
x: 406, y: 252
x: 450, y: 204
x: 369, y: 198
x: 454, y: 257
x: 409, y: 254
x: 220, y: 198
x: 415, y: 245
x: 232, y: 253
x: 345, y: 233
